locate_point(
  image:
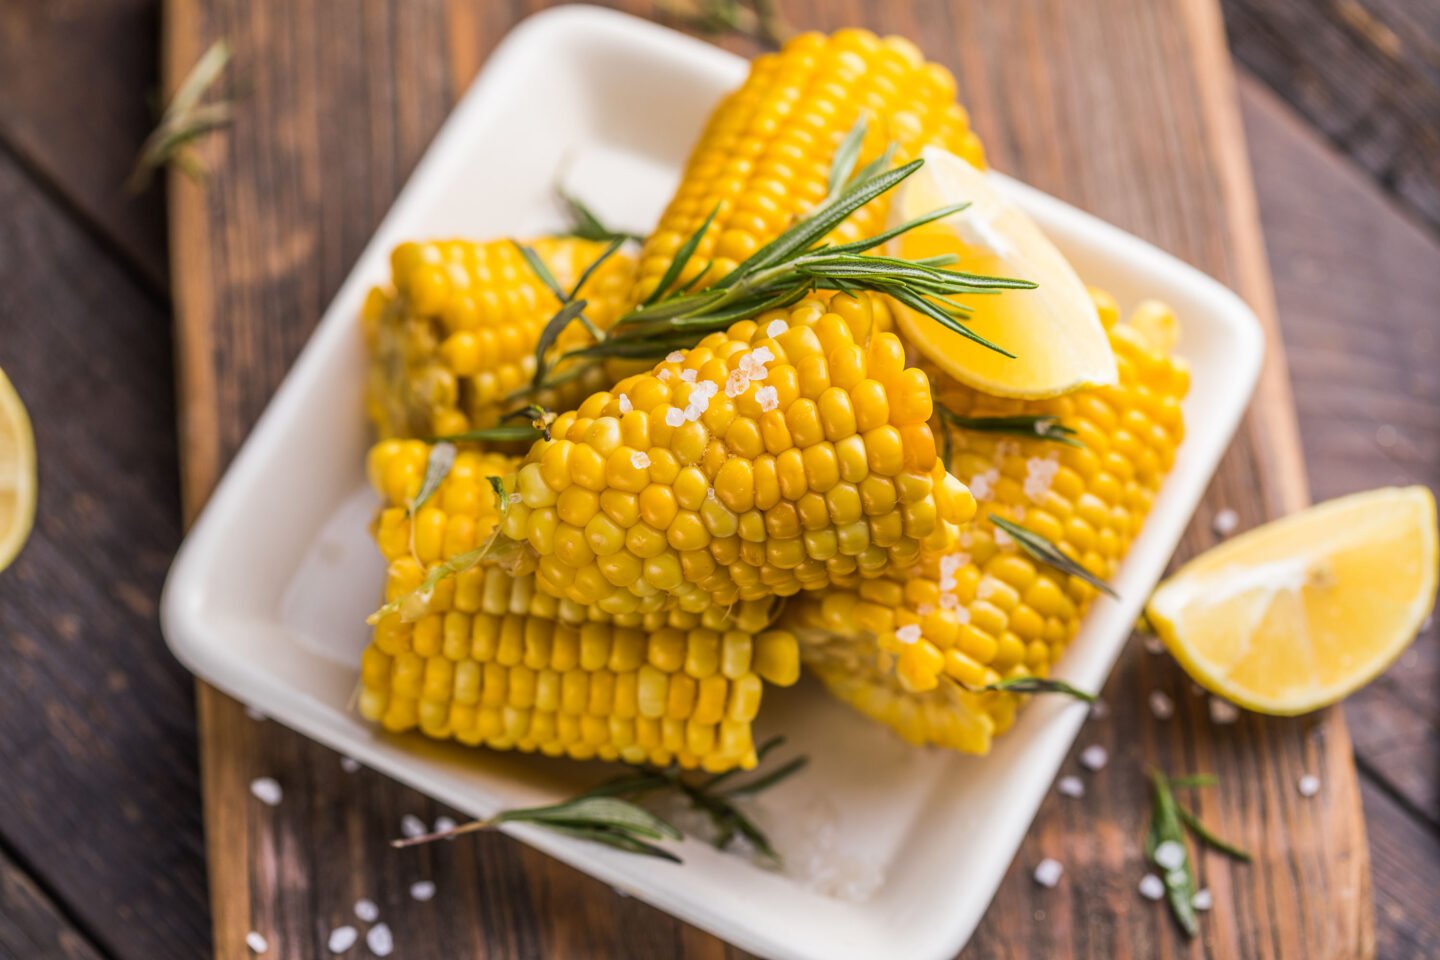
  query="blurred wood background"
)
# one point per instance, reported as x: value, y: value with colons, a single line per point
x: 101, y: 846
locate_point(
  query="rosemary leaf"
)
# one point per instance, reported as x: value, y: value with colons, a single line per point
x: 1047, y: 553
x: 588, y: 272
x: 538, y: 267
x: 1165, y: 827
x: 607, y: 812
x: 1039, y: 685
x: 587, y: 226
x: 614, y: 838
x: 504, y: 433
x: 770, y: 779
x: 1036, y: 426
x: 921, y: 305
x: 437, y: 468
x: 1208, y: 837
x: 184, y: 120
x: 846, y: 156
x: 556, y: 325
x: 682, y: 257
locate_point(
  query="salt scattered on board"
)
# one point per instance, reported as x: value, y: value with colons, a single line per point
x: 349, y: 764
x: 1309, y: 785
x: 342, y: 939
x: 256, y: 942
x: 412, y: 826
x: 1170, y: 855
x: 267, y: 791
x: 380, y: 940
x: 1225, y: 522
x: 1048, y: 872
x: 1223, y: 711
x: 1152, y: 887
x: 1094, y: 758
x: 1070, y: 787
x: 422, y: 890
x: 366, y: 910
x: 1203, y: 900
x: 1161, y: 705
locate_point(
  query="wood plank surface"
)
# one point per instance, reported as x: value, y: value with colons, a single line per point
x: 31, y: 925
x: 1150, y: 140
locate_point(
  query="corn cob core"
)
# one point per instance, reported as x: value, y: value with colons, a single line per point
x: 456, y: 335
x: 789, y: 452
x: 765, y: 155
x: 987, y: 611
x: 489, y: 659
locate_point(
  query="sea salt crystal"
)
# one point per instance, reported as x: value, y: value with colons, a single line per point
x: 1225, y: 522
x: 982, y: 485
x: 663, y: 374
x: 380, y: 940
x: 1170, y: 855
x: 639, y: 460
x: 1070, y: 787
x: 1099, y: 709
x: 675, y: 356
x: 1048, y: 872
x: 948, y: 601
x: 422, y: 890
x: 762, y: 354
x: 705, y: 389
x: 1203, y: 900
x: 514, y: 498
x: 367, y: 910
x: 1152, y: 887
x: 1309, y: 785
x: 987, y: 587
x: 267, y: 791
x: 1223, y: 711
x: 736, y: 384
x: 342, y: 939
x: 962, y: 614
x: 1094, y: 757
x: 412, y: 826
x: 925, y: 609
x: 1003, y: 539
x: 688, y: 375
x: 694, y: 411
x: 1161, y: 705
x: 1039, y: 474
x: 674, y: 417
x: 256, y: 943
x: 768, y: 398
x: 445, y: 824
x: 908, y: 633
x: 624, y: 401
x: 775, y: 328
x: 349, y: 764
x: 710, y: 493
x: 1153, y: 644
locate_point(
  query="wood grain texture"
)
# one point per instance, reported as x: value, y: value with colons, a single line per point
x: 75, y: 80
x: 1363, y: 359
x: 31, y: 925
x: 1366, y: 72
x: 345, y: 99
x: 99, y: 792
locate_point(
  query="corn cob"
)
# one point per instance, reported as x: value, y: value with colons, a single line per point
x: 489, y: 659
x: 456, y: 334
x: 788, y: 453
x: 765, y: 155
x: 989, y: 612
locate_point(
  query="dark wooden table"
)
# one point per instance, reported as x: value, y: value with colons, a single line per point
x: 101, y: 852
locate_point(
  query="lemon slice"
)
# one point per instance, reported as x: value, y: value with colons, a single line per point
x: 1054, y: 330
x: 17, y: 473
x: 1299, y: 613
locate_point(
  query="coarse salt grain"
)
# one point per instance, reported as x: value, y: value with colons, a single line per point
x: 1225, y: 522
x: 948, y: 601
x: 1161, y: 705
x: 1094, y: 757
x: 639, y: 460
x: 267, y: 791
x: 1003, y: 539
x: 515, y: 498
x: 1223, y: 711
x: 1203, y: 900
x: 342, y: 939
x: 736, y: 384
x: 367, y: 910
x: 1309, y: 785
x: 768, y: 398
x: 1170, y: 855
x: 349, y: 764
x: 776, y: 327
x: 624, y: 401
x: 688, y: 375
x: 412, y: 826
x: 1153, y: 644
x: 1099, y: 709
x: 908, y: 633
x: 422, y: 890
x: 445, y: 825
x: 1039, y: 474
x: 674, y: 417
x: 256, y: 943
x: 380, y: 940
x: 675, y: 356
x: 1152, y: 887
x: 762, y: 354
x: 982, y: 485
x: 1048, y: 872
x: 1070, y: 787
x: 987, y: 587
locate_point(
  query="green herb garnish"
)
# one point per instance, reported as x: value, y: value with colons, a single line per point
x: 437, y: 468
x: 1168, y: 824
x: 1047, y: 553
x: 1039, y: 685
x: 585, y: 225
x: 185, y: 120
x: 1038, y: 426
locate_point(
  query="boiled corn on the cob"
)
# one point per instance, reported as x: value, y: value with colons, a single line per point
x: 788, y: 453
x: 764, y: 158
x: 489, y: 659
x: 987, y: 611
x: 455, y: 336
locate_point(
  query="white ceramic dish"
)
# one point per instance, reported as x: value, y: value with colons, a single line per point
x: 273, y: 611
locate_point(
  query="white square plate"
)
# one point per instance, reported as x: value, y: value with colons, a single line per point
x: 268, y: 595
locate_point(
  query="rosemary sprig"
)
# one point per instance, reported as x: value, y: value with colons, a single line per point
x: 1031, y: 426
x: 759, y: 19
x: 781, y: 273
x: 608, y: 814
x: 1168, y: 824
x: 1039, y: 685
x: 1047, y: 553
x: 587, y: 226
x: 184, y: 120
x: 437, y: 468
x: 538, y: 426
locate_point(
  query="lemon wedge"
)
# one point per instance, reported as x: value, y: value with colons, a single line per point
x: 1054, y: 330
x: 17, y: 473
x: 1299, y: 613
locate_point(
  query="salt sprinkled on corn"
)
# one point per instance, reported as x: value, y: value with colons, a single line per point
x: 768, y: 398
x: 1048, y: 872
x: 688, y: 375
x: 1003, y: 539
x: 342, y: 939
x: 267, y: 791
x: 1152, y: 887
x: 982, y: 486
x: 675, y: 356
x: 674, y: 417
x: 910, y: 633
x: 1039, y: 474
x: 775, y: 328
x: 736, y: 384
x: 1094, y: 757
x: 639, y: 460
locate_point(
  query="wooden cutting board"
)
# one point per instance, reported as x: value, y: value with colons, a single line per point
x: 1123, y: 107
